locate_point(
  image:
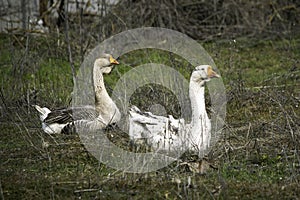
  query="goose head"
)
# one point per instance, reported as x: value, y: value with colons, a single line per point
x: 203, y: 73
x: 105, y: 62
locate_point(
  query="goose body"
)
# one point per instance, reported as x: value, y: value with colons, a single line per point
x: 169, y: 134
x: 148, y: 125
x: 104, y: 113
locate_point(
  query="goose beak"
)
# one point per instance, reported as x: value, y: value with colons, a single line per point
x: 113, y: 61
x: 211, y: 73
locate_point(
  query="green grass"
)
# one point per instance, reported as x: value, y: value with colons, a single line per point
x: 256, y: 157
x: 257, y: 62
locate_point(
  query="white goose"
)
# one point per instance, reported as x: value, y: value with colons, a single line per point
x: 104, y: 113
x: 169, y: 134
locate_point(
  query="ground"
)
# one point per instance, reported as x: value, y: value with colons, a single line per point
x: 256, y: 157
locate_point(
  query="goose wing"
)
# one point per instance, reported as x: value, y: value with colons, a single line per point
x: 148, y: 125
x: 68, y: 115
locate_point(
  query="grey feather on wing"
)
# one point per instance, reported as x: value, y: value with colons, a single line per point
x: 68, y: 115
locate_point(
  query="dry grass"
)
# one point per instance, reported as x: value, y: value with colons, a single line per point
x: 256, y: 157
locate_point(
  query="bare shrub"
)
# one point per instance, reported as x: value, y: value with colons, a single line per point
x: 206, y: 19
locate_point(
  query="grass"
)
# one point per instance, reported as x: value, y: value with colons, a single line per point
x: 257, y: 157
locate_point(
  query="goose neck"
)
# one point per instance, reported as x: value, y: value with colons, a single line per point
x: 197, y: 100
x: 105, y: 106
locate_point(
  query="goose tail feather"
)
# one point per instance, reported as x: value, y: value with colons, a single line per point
x: 43, y: 111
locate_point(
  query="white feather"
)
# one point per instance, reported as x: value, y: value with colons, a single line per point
x: 43, y: 112
x: 169, y: 134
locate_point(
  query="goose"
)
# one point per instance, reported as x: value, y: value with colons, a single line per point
x: 168, y: 134
x: 104, y: 113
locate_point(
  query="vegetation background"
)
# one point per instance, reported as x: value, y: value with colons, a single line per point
x: 255, y: 45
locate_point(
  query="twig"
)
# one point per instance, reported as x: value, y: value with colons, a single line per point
x: 81, y: 35
x: 68, y: 41
x: 86, y: 190
x: 269, y: 86
x: 3, y: 99
x: 1, y: 191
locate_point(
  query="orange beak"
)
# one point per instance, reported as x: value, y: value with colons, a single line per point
x: 211, y: 73
x: 113, y: 61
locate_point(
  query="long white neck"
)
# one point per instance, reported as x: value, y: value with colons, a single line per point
x: 200, y: 124
x: 105, y: 106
